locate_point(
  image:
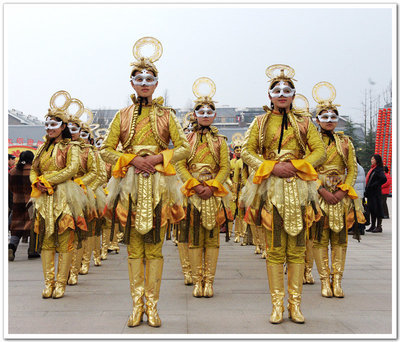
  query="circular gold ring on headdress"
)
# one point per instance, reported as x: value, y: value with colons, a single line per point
x: 300, y: 104
x: 316, y: 92
x: 57, y: 95
x: 79, y: 110
x: 142, y: 42
x: 285, y: 71
x: 204, y: 81
x: 237, y: 139
x: 101, y: 132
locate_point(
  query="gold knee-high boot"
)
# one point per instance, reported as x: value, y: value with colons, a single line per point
x: 256, y: 239
x: 183, y: 250
x: 97, y: 250
x: 309, y: 261
x: 196, y: 263
x: 105, y: 242
x: 136, y: 283
x: 230, y: 228
x: 277, y: 290
x: 322, y: 261
x: 64, y: 264
x: 295, y: 287
x: 210, y: 267
x: 114, y: 243
x: 154, y: 268
x: 87, y: 255
x: 338, y: 261
x: 263, y: 242
x: 48, y: 256
x: 238, y: 230
x: 75, y: 265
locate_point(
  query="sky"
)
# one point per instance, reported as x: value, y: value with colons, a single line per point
x: 86, y: 49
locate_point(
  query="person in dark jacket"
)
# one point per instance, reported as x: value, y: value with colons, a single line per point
x: 386, y: 191
x: 20, y: 186
x: 373, y: 193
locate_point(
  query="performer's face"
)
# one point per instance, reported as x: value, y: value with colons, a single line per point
x: 328, y: 120
x: 54, y: 127
x: 146, y: 87
x: 237, y: 152
x: 205, y: 115
x: 282, y: 95
x: 75, y: 130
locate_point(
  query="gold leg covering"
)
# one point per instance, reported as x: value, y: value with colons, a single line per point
x: 75, y: 266
x: 114, y: 243
x: 64, y: 264
x: 47, y: 256
x: 295, y: 287
x: 184, y: 257
x: 97, y: 250
x: 322, y: 261
x: 136, y: 283
x: 277, y: 290
x: 87, y: 254
x: 105, y: 243
x: 238, y: 232
x: 338, y: 261
x: 120, y: 236
x: 154, y: 268
x: 196, y: 263
x: 308, y: 277
x: 230, y: 228
x: 210, y: 267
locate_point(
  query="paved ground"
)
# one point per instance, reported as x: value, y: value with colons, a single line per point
x: 101, y: 303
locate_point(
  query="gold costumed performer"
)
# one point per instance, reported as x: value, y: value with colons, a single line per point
x: 86, y: 174
x: 203, y: 174
x: 58, y: 200
x: 282, y: 192
x: 338, y: 200
x: 142, y: 191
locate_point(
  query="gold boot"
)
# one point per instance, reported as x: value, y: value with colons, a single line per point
x: 47, y: 256
x: 87, y: 254
x: 277, y: 290
x: 64, y: 264
x: 184, y: 257
x: 309, y: 261
x: 154, y: 268
x: 136, y: 282
x: 96, y: 251
x: 75, y: 266
x: 295, y: 287
x: 338, y: 260
x: 105, y: 243
x: 120, y: 237
x: 196, y: 263
x: 322, y: 261
x: 210, y: 267
x: 114, y: 243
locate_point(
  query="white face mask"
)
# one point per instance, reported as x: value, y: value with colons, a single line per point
x: 144, y: 79
x: 98, y: 143
x: 73, y: 129
x: 281, y: 89
x: 205, y: 112
x: 52, y: 124
x: 84, y: 135
x: 329, y: 116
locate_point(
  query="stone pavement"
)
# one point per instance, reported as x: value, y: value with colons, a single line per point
x: 101, y: 302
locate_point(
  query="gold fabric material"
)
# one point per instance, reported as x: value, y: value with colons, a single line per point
x: 64, y: 264
x: 101, y: 176
x: 210, y: 267
x: 288, y: 252
x: 277, y: 290
x: 96, y: 250
x: 138, y: 249
x: 322, y: 261
x: 88, y: 247
x: 183, y: 250
x: 204, y: 237
x: 136, y: 283
x: 65, y: 242
x: 295, y: 287
x: 48, y: 256
x: 105, y: 239
x: 338, y: 256
x: 196, y: 263
x: 309, y: 261
x: 75, y: 265
x: 154, y: 268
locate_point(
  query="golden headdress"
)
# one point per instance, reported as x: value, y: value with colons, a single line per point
x: 324, y: 102
x: 204, y: 95
x: 146, y: 62
x: 68, y: 107
x: 100, y: 134
x: 286, y: 73
x: 301, y: 105
x: 237, y: 140
x: 86, y: 125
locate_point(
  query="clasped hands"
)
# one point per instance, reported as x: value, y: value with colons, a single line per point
x: 41, y: 187
x: 146, y: 165
x: 204, y: 191
x: 284, y: 170
x: 332, y: 198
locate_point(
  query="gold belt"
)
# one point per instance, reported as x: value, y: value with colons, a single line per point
x: 203, y: 172
x: 283, y: 155
x: 143, y: 150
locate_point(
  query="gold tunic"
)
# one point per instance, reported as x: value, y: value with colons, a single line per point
x: 64, y: 200
x: 208, y: 164
x: 147, y: 134
x: 292, y: 197
x: 339, y: 171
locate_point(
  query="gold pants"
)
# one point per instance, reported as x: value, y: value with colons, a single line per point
x: 288, y: 252
x: 65, y: 241
x: 204, y: 237
x: 328, y: 235
x: 138, y: 249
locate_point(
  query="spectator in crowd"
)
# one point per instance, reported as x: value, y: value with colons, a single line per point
x: 373, y: 193
x: 386, y: 191
x: 11, y: 162
x: 20, y: 186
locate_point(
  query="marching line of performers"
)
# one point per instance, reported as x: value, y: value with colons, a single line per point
x: 289, y: 190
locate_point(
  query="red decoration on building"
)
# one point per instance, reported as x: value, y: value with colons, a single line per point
x: 30, y: 142
x: 20, y: 141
